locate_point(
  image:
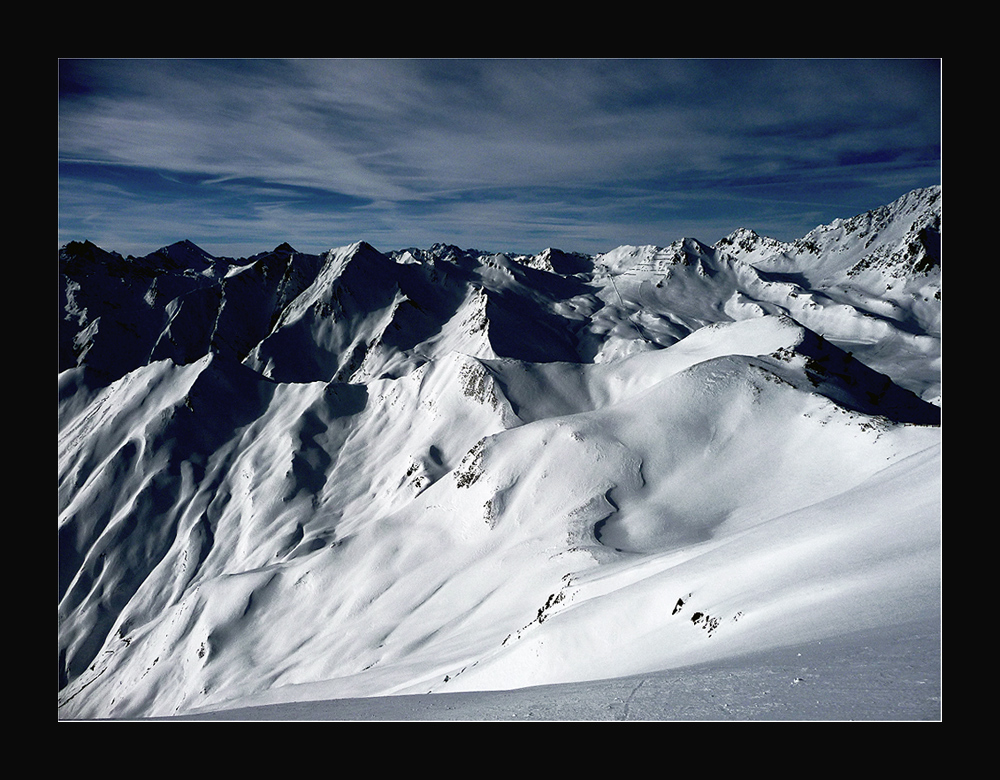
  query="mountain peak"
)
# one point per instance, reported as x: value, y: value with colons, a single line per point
x: 746, y: 243
x: 182, y: 255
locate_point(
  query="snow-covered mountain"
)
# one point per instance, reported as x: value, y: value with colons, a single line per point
x: 293, y: 477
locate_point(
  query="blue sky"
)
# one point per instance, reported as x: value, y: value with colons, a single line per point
x: 500, y: 155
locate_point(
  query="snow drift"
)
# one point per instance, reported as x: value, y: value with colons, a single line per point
x: 292, y: 477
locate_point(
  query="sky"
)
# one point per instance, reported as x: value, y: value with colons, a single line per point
x: 512, y: 155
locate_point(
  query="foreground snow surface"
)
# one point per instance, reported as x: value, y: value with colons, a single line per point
x: 712, y: 507
x: 886, y: 675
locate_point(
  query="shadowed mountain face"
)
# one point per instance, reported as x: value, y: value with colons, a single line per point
x: 385, y: 471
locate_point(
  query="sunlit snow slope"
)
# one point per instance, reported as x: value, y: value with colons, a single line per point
x: 292, y: 477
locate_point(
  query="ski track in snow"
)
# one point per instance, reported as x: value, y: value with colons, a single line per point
x: 887, y: 675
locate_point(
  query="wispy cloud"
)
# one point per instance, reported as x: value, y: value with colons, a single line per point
x: 510, y: 153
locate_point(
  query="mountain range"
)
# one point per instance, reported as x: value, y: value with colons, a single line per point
x: 296, y: 477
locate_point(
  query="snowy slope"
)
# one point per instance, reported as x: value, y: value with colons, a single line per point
x: 291, y: 477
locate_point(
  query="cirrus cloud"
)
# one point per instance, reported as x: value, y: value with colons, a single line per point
x: 586, y: 154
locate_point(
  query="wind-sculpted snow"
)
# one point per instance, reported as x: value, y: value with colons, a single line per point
x: 294, y: 477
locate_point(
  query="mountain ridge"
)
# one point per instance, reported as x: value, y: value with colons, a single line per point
x: 768, y: 279
x: 365, y: 473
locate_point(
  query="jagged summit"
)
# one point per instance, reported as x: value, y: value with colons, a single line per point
x: 368, y: 472
x: 749, y: 245
x: 182, y: 255
x: 863, y: 282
